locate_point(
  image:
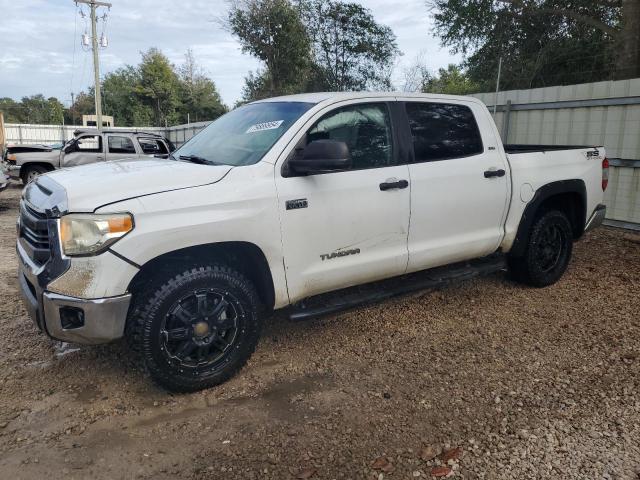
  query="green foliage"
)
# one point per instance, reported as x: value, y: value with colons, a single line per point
x: 451, y: 81
x: 272, y: 31
x: 199, y: 98
x: 120, y: 98
x: 12, y: 110
x: 312, y: 45
x: 351, y: 51
x: 34, y: 109
x: 149, y: 94
x: 158, y: 87
x: 154, y: 92
x: 541, y: 42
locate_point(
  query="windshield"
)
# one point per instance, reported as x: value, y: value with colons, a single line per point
x: 244, y: 135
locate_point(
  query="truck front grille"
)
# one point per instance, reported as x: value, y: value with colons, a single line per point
x: 34, y: 234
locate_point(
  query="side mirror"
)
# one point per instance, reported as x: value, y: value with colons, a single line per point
x: 70, y: 147
x: 322, y: 156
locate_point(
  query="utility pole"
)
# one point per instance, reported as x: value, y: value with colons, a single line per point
x: 93, y: 4
x: 495, y: 101
x: 72, y: 109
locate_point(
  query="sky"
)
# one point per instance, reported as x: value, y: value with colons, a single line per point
x: 41, y: 52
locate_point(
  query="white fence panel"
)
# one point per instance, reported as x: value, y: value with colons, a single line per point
x: 32, y: 134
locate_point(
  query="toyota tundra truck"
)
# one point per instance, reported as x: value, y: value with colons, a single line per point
x: 282, y: 201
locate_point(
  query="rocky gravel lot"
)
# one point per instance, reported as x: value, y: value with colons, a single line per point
x: 484, y: 380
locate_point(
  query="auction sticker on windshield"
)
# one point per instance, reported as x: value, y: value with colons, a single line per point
x: 259, y: 127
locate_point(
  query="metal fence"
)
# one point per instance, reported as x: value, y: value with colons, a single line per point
x: 602, y: 113
x: 181, y: 133
x: 49, y: 134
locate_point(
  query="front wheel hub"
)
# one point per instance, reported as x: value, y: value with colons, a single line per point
x: 201, y: 329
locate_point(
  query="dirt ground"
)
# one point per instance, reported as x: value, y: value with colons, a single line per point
x: 511, y: 382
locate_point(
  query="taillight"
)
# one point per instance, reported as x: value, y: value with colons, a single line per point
x: 605, y: 174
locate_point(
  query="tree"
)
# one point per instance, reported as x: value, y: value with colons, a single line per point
x: 351, y: 51
x: 199, y: 97
x: 121, y: 99
x: 12, y: 110
x: 158, y: 86
x: 271, y: 30
x: 451, y: 81
x: 543, y: 42
x: 84, y: 104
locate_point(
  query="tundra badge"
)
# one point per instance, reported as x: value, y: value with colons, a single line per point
x: 298, y: 203
x: 341, y: 253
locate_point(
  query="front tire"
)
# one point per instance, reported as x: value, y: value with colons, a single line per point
x: 547, y: 253
x: 31, y: 172
x: 197, y: 329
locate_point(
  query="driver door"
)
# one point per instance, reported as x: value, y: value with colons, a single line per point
x: 346, y: 228
x: 86, y: 149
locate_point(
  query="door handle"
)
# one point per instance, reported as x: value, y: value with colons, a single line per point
x: 494, y: 173
x: 391, y: 185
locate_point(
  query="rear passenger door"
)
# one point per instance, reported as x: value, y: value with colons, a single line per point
x: 120, y: 146
x: 459, y: 183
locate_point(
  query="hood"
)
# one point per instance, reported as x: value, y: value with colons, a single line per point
x: 92, y: 186
x: 30, y: 148
x: 35, y: 155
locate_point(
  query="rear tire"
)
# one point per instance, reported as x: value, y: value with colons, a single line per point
x: 547, y: 253
x: 197, y: 329
x: 30, y: 172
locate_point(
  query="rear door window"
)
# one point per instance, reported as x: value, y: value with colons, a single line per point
x: 443, y: 131
x: 119, y: 144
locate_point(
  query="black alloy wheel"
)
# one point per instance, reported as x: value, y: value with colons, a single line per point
x: 200, y: 328
x: 547, y: 253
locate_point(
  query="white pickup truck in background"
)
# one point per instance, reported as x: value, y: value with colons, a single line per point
x: 286, y: 199
x: 26, y: 162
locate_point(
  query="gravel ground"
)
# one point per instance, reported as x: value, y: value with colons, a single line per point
x: 486, y: 379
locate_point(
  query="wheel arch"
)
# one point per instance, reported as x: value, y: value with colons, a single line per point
x: 567, y: 196
x: 29, y: 164
x: 246, y: 257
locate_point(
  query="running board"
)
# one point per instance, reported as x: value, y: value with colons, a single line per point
x: 347, y: 299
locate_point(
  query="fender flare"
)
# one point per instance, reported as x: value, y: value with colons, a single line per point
x: 542, y: 194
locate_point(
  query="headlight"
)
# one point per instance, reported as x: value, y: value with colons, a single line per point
x: 11, y: 158
x: 88, y: 234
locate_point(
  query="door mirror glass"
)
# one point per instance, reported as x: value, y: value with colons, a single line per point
x: 322, y: 156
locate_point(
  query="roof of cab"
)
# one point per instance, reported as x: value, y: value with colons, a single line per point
x: 331, y: 97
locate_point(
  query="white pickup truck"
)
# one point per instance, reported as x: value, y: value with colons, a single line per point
x: 286, y: 199
x: 26, y: 162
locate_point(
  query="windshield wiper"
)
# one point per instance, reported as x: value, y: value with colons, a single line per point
x: 197, y: 159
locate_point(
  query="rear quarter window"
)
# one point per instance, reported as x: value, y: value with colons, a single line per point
x: 443, y: 131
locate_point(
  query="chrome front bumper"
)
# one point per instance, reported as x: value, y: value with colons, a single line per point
x: 13, y: 171
x: 102, y: 320
x: 597, y: 217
